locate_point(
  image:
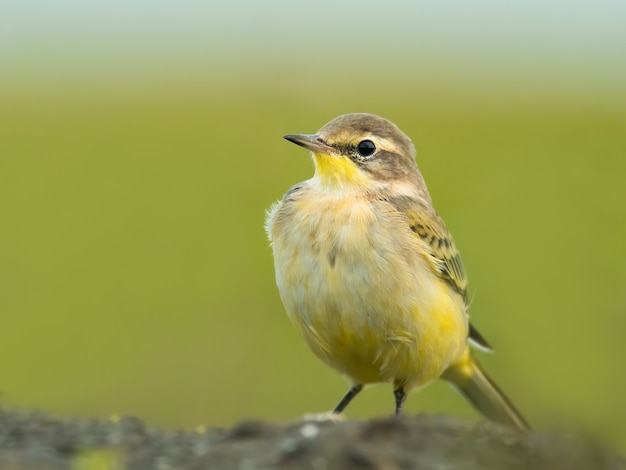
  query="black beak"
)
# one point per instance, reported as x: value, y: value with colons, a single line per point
x: 312, y: 142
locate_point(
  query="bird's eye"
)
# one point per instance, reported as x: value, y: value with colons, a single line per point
x: 366, y: 148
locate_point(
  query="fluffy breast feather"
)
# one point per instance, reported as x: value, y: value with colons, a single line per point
x: 355, y: 285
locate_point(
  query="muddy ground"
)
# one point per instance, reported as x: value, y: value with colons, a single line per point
x: 34, y: 440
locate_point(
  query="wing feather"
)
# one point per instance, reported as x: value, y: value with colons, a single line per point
x: 442, y: 253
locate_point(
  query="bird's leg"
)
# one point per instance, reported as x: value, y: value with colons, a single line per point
x: 347, y: 398
x: 400, y: 396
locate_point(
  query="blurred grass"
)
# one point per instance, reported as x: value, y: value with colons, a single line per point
x: 135, y: 277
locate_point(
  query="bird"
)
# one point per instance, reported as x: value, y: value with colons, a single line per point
x: 369, y: 274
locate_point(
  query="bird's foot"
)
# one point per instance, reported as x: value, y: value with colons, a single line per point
x: 329, y: 416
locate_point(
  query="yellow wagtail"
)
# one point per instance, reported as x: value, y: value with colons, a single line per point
x: 368, y: 272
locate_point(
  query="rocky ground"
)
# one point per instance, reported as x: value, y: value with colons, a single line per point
x: 34, y: 440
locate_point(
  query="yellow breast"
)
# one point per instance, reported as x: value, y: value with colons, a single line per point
x: 356, y: 286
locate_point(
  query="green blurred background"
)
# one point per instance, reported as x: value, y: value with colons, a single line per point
x: 140, y: 144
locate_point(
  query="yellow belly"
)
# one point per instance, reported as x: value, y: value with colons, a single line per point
x: 356, y: 287
x: 380, y: 341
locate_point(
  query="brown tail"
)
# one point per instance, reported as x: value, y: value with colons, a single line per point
x: 482, y: 392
